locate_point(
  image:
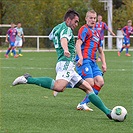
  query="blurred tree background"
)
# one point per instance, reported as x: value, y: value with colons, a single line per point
x: 38, y: 17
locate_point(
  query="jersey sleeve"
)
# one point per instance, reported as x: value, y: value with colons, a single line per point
x: 66, y: 33
x: 51, y: 35
x: 82, y: 33
x: 105, y: 26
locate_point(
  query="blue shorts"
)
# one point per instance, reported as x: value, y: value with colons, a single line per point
x: 12, y: 44
x: 89, y: 69
x: 126, y: 41
x: 101, y: 43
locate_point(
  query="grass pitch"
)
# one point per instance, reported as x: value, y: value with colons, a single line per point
x: 32, y: 109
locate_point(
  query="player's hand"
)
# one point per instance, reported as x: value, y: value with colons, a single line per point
x: 23, y: 40
x: 67, y: 53
x: 6, y: 40
x: 80, y: 62
x: 104, y: 68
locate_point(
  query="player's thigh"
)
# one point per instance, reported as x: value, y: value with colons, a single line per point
x: 16, y: 43
x: 85, y: 71
x: 12, y: 44
x: 97, y: 75
x: 101, y: 43
x: 20, y: 43
x: 60, y: 85
x: 128, y: 45
x: 90, y: 81
x: 126, y: 41
x: 85, y: 86
x: 96, y: 70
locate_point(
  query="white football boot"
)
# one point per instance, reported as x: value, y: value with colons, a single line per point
x: 83, y: 107
x: 21, y: 79
x: 55, y: 93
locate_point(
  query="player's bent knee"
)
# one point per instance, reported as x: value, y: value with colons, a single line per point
x: 85, y: 86
x: 58, y: 87
x: 101, y: 83
x: 127, y: 46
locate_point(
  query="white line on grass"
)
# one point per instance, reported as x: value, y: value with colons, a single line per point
x: 44, y: 68
x: 39, y: 68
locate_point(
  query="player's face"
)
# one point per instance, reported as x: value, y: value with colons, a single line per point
x: 19, y: 25
x: 73, y: 23
x: 129, y: 23
x: 91, y: 19
x: 12, y: 25
x: 99, y: 18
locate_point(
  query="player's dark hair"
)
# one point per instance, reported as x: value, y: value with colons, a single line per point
x: 71, y: 14
x: 19, y: 22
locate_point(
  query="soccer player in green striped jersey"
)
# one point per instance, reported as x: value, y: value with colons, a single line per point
x: 63, y: 39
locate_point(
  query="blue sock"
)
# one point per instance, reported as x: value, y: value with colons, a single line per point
x: 14, y: 52
x: 8, y: 51
x: 86, y: 99
x: 121, y: 49
x: 126, y: 50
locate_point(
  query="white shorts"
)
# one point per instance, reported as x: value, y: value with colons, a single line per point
x: 65, y: 70
x: 18, y: 43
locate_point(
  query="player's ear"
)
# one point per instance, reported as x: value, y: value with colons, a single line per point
x: 68, y: 19
x: 85, y: 18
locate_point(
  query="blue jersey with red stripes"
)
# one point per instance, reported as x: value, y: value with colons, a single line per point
x: 91, y: 41
x: 127, y: 30
x: 12, y: 32
x: 101, y: 26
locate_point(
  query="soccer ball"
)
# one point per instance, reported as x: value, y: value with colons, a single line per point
x: 119, y: 113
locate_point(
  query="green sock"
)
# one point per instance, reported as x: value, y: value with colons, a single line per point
x: 98, y: 103
x: 45, y: 82
x: 19, y: 51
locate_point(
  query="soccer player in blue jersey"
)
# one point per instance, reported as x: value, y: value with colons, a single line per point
x: 11, y: 37
x: 63, y: 39
x: 101, y: 27
x: 127, y: 31
x: 88, y: 42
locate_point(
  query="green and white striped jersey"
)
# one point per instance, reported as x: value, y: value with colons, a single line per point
x: 63, y: 31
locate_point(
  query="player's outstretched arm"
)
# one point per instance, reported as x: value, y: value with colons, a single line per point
x: 23, y: 37
x: 78, y: 50
x: 112, y: 33
x: 101, y: 53
x: 6, y: 38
